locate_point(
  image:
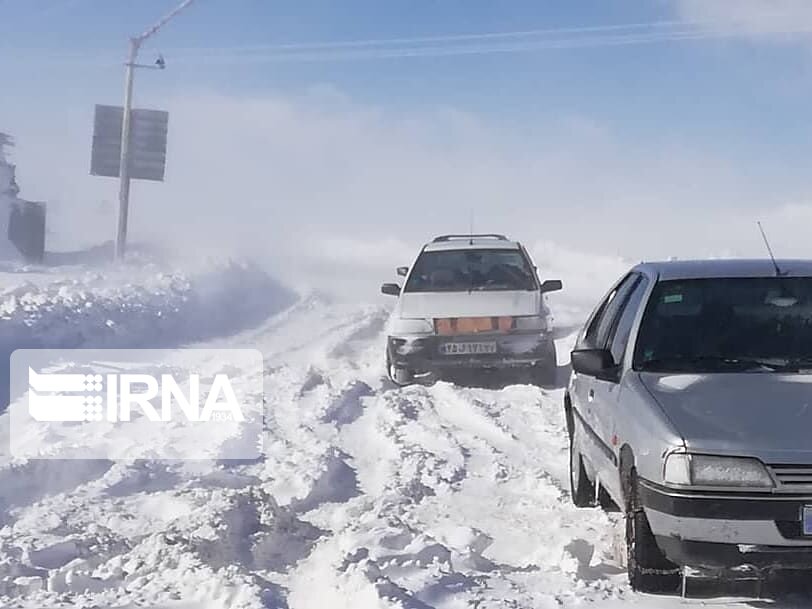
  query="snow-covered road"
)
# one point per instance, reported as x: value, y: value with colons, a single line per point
x: 369, y: 496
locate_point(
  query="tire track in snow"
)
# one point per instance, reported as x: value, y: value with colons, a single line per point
x: 456, y: 484
x: 369, y: 496
x: 366, y: 486
x: 130, y: 532
x: 413, y: 451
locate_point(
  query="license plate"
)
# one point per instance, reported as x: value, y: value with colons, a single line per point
x: 806, y: 517
x: 467, y: 348
x: 449, y: 326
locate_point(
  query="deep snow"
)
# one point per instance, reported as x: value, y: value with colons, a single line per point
x: 369, y: 496
x: 140, y: 304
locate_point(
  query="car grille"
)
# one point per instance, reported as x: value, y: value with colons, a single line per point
x: 791, y: 477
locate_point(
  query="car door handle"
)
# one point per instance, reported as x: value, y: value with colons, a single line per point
x: 591, y: 395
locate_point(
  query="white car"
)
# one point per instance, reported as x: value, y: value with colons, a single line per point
x: 470, y: 302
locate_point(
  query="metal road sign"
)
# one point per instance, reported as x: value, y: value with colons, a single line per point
x: 147, y: 145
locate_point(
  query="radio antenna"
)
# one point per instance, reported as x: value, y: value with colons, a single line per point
x: 778, y: 272
x: 471, y: 228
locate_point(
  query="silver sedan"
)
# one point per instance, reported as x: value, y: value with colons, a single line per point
x: 690, y: 409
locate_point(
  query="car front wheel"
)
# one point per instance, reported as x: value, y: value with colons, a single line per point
x: 649, y: 569
x: 398, y: 375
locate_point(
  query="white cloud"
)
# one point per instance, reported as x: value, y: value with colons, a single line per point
x: 335, y: 193
x: 756, y: 17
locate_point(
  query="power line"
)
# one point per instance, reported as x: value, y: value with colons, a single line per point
x: 343, y: 53
x: 447, y: 38
x: 664, y: 30
x: 613, y: 35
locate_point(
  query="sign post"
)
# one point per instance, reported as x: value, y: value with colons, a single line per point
x: 144, y: 158
x: 124, y: 185
x: 125, y: 169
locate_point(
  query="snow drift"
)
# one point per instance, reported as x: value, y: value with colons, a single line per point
x: 136, y: 305
x: 368, y: 497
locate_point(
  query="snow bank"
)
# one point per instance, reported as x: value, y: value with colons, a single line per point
x: 134, y: 306
x: 137, y: 305
x: 369, y: 497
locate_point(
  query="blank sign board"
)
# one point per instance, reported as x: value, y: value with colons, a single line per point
x: 148, y: 132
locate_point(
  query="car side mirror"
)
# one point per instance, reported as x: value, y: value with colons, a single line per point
x: 390, y: 289
x: 402, y: 271
x: 551, y: 285
x: 595, y: 362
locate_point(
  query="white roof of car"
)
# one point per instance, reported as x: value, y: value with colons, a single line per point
x: 470, y: 242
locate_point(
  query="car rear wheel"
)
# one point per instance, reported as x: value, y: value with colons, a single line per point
x: 545, y: 373
x: 582, y: 490
x: 606, y: 502
x: 648, y: 568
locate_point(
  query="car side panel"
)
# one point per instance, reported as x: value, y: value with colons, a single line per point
x: 639, y: 423
x: 588, y: 444
x: 629, y: 417
x: 598, y: 403
x: 581, y: 393
x: 604, y: 416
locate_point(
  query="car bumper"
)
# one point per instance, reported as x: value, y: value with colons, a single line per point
x: 730, y: 529
x: 422, y: 354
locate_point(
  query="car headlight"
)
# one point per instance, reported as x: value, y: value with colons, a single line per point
x: 707, y: 470
x: 677, y: 469
x: 403, y: 326
x: 530, y: 322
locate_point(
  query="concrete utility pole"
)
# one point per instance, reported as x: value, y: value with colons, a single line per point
x: 126, y: 123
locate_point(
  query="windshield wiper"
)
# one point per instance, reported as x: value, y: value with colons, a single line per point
x: 736, y: 363
x: 800, y: 363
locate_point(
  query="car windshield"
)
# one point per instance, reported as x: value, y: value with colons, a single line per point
x: 727, y: 325
x: 469, y: 270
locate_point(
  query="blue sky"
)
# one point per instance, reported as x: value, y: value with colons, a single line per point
x: 724, y: 94
x: 720, y: 120
x: 714, y: 89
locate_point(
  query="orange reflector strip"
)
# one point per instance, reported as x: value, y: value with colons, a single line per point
x: 444, y: 327
x: 448, y: 326
x: 472, y: 325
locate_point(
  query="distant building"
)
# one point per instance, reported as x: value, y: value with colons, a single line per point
x: 22, y: 223
x: 8, y: 182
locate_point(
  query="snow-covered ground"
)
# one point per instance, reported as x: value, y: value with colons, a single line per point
x: 139, y: 304
x: 134, y: 305
x: 369, y: 496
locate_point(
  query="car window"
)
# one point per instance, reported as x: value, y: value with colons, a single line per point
x: 598, y: 331
x: 726, y: 325
x: 471, y: 269
x: 623, y: 328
